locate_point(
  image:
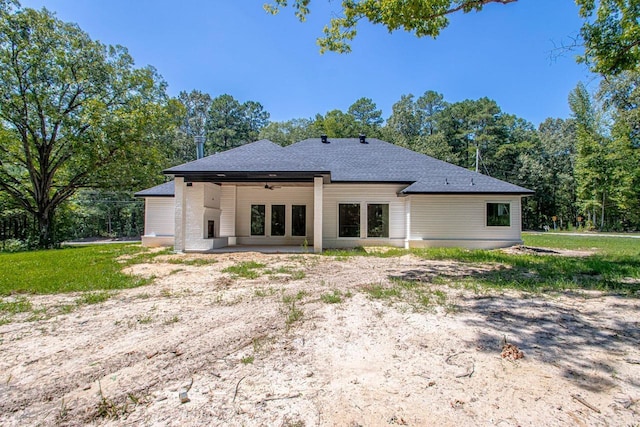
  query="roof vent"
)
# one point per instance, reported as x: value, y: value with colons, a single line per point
x: 363, y: 139
x: 323, y: 138
x: 199, y: 140
x: 472, y: 181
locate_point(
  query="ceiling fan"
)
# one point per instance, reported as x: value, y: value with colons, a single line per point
x: 271, y: 187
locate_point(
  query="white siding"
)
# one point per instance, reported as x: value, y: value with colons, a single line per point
x: 282, y: 195
x: 159, y: 216
x: 456, y: 219
x: 335, y: 194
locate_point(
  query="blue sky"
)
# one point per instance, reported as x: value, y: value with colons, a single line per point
x: 235, y: 47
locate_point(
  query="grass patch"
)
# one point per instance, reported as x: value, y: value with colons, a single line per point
x: 245, y: 269
x: 294, y: 314
x: 334, y: 297
x: 294, y: 274
x: 247, y: 360
x: 93, y: 297
x: 264, y: 292
x: 18, y: 305
x: 291, y: 298
x: 71, y: 269
x: 614, y: 267
x: 377, y: 291
x: 191, y: 261
x: 171, y: 320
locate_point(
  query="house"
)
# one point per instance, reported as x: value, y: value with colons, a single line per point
x: 329, y: 193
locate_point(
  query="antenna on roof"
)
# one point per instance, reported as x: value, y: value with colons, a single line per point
x: 323, y: 138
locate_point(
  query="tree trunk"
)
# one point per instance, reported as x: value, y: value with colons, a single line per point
x: 602, y: 213
x: 45, y: 228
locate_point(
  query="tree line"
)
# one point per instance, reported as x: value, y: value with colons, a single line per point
x: 81, y: 129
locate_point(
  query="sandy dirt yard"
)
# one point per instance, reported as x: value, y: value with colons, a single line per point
x: 323, y: 341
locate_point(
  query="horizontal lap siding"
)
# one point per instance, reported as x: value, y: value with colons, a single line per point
x: 159, y: 216
x: 460, y: 217
x: 288, y: 196
x: 334, y: 194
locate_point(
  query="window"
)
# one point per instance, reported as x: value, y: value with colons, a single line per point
x: 349, y: 220
x: 377, y: 220
x: 298, y: 220
x: 498, y: 214
x: 211, y: 229
x: 277, y: 220
x: 257, y: 220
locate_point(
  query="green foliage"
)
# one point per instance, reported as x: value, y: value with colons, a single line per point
x: 231, y: 124
x: 294, y: 314
x: 607, y: 164
x: 245, y: 269
x: 289, y: 132
x: 247, y: 360
x: 611, y: 29
x: 612, y: 39
x: 93, y: 297
x: 73, y: 113
x: 422, y: 18
x: 17, y: 305
x: 87, y: 268
x: 193, y: 120
x: 334, y: 297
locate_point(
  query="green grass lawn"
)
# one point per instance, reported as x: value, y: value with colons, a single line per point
x: 614, y: 266
x: 79, y: 268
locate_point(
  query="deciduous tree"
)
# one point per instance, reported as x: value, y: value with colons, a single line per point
x: 74, y: 113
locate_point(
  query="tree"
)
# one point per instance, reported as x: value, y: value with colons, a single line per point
x: 367, y: 117
x: 423, y: 18
x: 611, y: 40
x: 547, y: 166
x: 335, y: 124
x: 621, y: 96
x: 593, y: 162
x: 74, y: 113
x: 193, y: 123
x: 289, y: 132
x: 231, y: 124
x: 405, y: 123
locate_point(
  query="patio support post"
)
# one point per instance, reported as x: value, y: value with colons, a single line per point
x: 407, y: 232
x: 317, y: 214
x: 181, y: 214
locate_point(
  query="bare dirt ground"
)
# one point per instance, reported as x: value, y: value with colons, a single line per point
x: 272, y: 351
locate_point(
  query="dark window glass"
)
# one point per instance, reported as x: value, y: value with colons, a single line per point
x: 349, y: 220
x: 377, y: 220
x: 298, y: 220
x: 257, y: 220
x: 277, y: 220
x: 498, y: 214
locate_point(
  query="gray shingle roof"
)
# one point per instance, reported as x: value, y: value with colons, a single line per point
x: 259, y: 156
x: 348, y: 160
x: 163, y: 190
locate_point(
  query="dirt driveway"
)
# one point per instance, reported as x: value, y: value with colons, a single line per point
x: 322, y: 341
